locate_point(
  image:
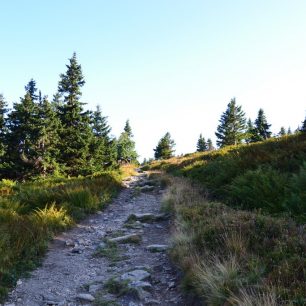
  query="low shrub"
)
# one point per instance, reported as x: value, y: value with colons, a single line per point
x: 32, y: 212
x: 231, y: 256
x: 268, y: 175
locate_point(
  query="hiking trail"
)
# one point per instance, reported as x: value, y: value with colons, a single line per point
x: 117, y: 256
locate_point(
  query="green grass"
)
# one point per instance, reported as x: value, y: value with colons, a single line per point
x: 32, y: 212
x: 269, y: 176
x: 235, y: 257
x: 109, y: 251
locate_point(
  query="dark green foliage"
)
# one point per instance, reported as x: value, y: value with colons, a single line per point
x: 289, y: 132
x: 250, y: 132
x: 282, y: 132
x: 103, y: 150
x: 23, y: 136
x: 223, y: 250
x: 99, y: 124
x: 260, y: 175
x: 165, y: 147
x: 31, y: 89
x: 231, y: 130
x: 3, y: 127
x: 126, y: 152
x: 34, y: 212
x: 75, y: 133
x: 48, y: 139
x: 39, y: 138
x: 261, y: 128
x: 209, y: 145
x: 295, y: 201
x: 201, y: 144
x: 262, y: 188
x: 127, y: 129
x: 303, y: 128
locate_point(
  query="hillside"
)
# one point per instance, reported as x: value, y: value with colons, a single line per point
x: 268, y: 175
x: 239, y: 215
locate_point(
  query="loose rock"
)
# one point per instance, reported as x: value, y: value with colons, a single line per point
x: 136, y: 275
x: 131, y: 238
x: 157, y: 248
x: 85, y: 297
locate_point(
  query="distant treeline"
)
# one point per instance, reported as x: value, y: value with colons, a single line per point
x: 233, y: 129
x: 40, y: 137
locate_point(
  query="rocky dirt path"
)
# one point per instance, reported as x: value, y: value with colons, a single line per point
x: 116, y: 257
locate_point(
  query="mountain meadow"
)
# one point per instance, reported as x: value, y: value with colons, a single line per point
x: 238, y: 211
x: 239, y: 221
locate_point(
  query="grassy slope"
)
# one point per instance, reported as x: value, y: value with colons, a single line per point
x: 31, y: 213
x: 250, y: 251
x: 270, y: 176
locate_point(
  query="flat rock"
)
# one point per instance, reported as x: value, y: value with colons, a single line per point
x: 69, y: 242
x: 131, y: 238
x: 157, y: 248
x: 147, y: 217
x: 136, y: 275
x: 94, y: 289
x: 85, y: 297
x: 141, y: 284
x: 147, y: 188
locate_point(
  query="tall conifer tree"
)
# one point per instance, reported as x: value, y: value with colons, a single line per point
x: 126, y: 146
x: 165, y: 147
x: 75, y: 134
x: 103, y: 148
x: 3, y: 127
x: 303, y: 128
x: 201, y: 144
x: 23, y: 134
x: 231, y: 129
x: 262, y: 127
x: 210, y: 145
x: 48, y: 136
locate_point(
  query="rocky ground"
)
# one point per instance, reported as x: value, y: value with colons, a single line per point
x: 116, y: 257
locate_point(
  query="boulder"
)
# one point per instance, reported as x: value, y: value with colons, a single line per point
x: 153, y: 248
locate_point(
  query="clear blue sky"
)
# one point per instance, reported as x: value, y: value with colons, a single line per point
x: 167, y: 65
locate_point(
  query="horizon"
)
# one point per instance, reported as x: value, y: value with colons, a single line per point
x: 167, y: 67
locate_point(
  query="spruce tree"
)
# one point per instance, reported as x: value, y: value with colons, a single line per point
x: 23, y: 136
x: 210, y: 145
x: 262, y: 127
x: 128, y: 129
x: 48, y: 137
x: 250, y: 135
x: 3, y: 127
x: 165, y: 147
x: 75, y: 134
x: 99, y: 124
x: 103, y: 149
x: 303, y: 128
x: 201, y: 144
x: 282, y: 132
x: 289, y: 132
x: 231, y: 129
x: 31, y: 89
x: 126, y: 152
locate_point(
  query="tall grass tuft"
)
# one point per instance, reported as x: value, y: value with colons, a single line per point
x: 224, y: 251
x: 32, y: 212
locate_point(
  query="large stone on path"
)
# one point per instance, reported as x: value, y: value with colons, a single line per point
x: 131, y: 238
x: 154, y: 248
x: 147, y: 217
x: 85, y: 297
x: 136, y: 275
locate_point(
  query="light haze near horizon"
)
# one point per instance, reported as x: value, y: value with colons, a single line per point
x: 166, y: 65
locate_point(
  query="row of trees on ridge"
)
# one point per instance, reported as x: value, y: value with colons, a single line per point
x: 39, y: 137
x: 233, y: 129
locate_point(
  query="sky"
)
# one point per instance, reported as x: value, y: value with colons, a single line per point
x: 166, y: 65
